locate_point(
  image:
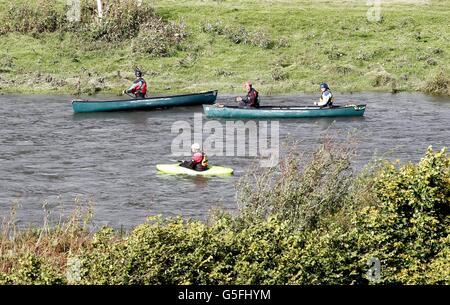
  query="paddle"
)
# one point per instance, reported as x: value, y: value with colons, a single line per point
x: 128, y: 94
x: 234, y: 100
x: 132, y: 96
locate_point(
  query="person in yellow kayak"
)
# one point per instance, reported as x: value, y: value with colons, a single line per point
x: 199, y: 160
x: 251, y: 100
x: 326, y: 99
x: 139, y: 86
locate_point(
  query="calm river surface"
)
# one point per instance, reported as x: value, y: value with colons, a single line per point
x: 51, y: 155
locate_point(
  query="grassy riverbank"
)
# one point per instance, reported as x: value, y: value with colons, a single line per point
x: 283, y: 46
x: 312, y: 220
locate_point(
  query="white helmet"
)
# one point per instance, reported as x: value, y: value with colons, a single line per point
x: 195, y: 147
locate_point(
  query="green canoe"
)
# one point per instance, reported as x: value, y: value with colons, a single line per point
x: 282, y: 112
x: 148, y: 103
x: 176, y: 169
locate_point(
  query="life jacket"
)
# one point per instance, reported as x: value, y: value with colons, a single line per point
x: 141, y: 86
x: 252, y: 95
x: 205, y: 160
x: 330, y: 100
x: 200, y: 161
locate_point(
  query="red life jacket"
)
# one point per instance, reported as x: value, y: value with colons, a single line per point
x: 252, y: 98
x: 141, y: 86
x: 200, y: 160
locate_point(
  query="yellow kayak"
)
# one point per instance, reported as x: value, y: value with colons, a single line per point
x: 176, y: 169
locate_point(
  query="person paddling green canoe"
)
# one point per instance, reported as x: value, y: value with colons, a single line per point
x: 251, y: 99
x: 326, y: 99
x: 139, y: 86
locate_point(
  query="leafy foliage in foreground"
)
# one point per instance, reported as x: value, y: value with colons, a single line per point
x: 399, y: 214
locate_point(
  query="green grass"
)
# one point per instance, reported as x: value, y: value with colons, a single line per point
x: 408, y: 47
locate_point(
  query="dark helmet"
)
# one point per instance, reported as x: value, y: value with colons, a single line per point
x: 325, y: 86
x: 138, y: 72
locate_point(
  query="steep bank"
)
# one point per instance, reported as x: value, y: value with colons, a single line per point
x: 283, y: 47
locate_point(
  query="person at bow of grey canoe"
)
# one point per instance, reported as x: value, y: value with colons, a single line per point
x: 251, y: 100
x: 139, y: 86
x: 326, y: 99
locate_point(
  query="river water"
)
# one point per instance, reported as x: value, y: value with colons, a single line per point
x: 51, y: 155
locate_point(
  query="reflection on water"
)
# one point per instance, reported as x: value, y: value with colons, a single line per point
x: 48, y: 154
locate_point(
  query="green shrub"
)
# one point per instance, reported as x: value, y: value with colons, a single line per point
x: 31, y: 269
x: 213, y: 27
x: 438, y: 83
x: 301, y: 190
x: 439, y: 269
x: 177, y: 252
x: 405, y: 228
x: 240, y: 35
x: 103, y: 262
x: 334, y: 53
x: 278, y: 74
x: 380, y: 77
x: 343, y: 69
x: 6, y: 63
x: 158, y: 38
x: 120, y: 21
x: 30, y: 17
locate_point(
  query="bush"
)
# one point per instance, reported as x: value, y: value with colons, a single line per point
x: 30, y: 17
x: 103, y: 262
x: 176, y: 252
x: 334, y: 53
x: 159, y: 252
x: 240, y: 35
x: 31, y: 269
x: 380, y: 77
x: 215, y: 27
x: 405, y: 228
x: 342, y: 69
x: 438, y: 83
x: 123, y: 20
x: 278, y: 74
x: 158, y: 38
x: 6, y: 63
x: 302, y: 189
x: 439, y: 269
x: 120, y: 21
x: 39, y: 255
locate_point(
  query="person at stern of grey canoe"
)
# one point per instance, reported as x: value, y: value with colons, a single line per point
x: 326, y: 99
